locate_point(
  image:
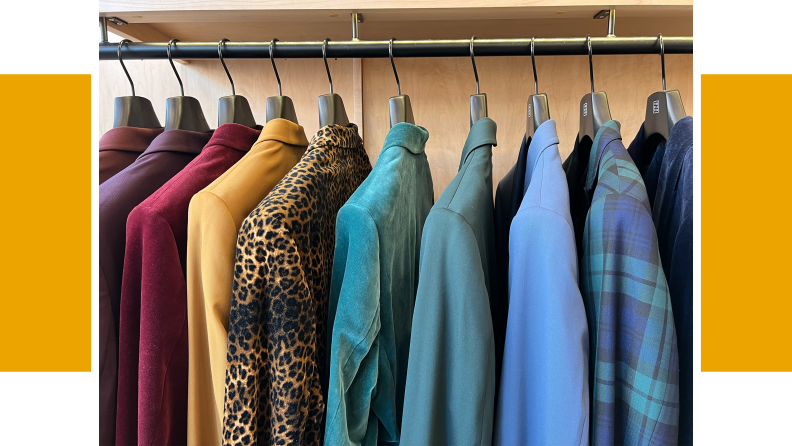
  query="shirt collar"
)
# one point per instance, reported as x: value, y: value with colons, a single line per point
x: 235, y: 136
x: 482, y: 133
x: 609, y: 132
x: 129, y: 139
x: 284, y: 131
x: 183, y: 141
x: 545, y: 136
x: 409, y: 136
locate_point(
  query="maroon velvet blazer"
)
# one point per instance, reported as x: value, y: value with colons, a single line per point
x: 165, y: 157
x: 153, y: 337
x: 120, y: 147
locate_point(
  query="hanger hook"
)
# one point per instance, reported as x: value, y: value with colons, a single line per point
x: 533, y: 62
x: 170, y: 59
x: 390, y: 53
x: 274, y: 68
x: 662, y: 58
x: 324, y: 56
x: 220, y: 52
x: 473, y: 60
x: 132, y: 84
x: 591, y: 64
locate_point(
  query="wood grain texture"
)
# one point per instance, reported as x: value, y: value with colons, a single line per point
x: 439, y: 90
x: 142, y: 32
x: 459, y: 6
x: 423, y: 29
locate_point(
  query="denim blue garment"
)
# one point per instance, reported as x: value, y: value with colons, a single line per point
x: 544, y: 392
x: 450, y: 394
x: 375, y: 278
x: 633, y: 361
x: 673, y: 218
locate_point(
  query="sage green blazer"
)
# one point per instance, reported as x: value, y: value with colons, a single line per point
x: 450, y: 391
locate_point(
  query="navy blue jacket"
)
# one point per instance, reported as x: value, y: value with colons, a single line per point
x: 672, y: 213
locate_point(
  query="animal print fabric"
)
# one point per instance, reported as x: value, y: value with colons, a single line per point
x: 277, y: 327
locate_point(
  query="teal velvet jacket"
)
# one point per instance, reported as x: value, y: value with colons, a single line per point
x: 450, y: 393
x: 375, y: 277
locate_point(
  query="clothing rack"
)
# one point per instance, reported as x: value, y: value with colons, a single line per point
x: 571, y: 46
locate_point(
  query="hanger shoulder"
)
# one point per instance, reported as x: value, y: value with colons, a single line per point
x: 538, y: 112
x: 281, y: 107
x: 185, y: 113
x: 332, y: 111
x: 235, y: 110
x: 135, y: 111
x: 594, y: 113
x: 400, y: 110
x: 478, y: 107
x: 663, y: 110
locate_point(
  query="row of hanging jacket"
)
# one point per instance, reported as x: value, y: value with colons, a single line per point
x: 256, y: 288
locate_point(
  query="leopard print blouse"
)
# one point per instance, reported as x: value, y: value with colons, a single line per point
x: 277, y: 326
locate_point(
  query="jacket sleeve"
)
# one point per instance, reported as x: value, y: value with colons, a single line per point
x: 354, y: 323
x: 632, y: 339
x: 270, y: 379
x: 151, y: 367
x: 211, y: 242
x: 449, y: 395
x: 544, y: 384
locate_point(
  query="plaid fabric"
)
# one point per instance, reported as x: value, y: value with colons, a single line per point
x: 634, y: 365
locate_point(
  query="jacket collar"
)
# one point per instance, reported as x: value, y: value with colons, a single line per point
x: 482, y: 133
x: 235, y: 136
x: 409, y: 136
x: 334, y: 135
x: 545, y: 136
x: 180, y: 141
x: 608, y: 133
x: 129, y: 139
x: 284, y: 131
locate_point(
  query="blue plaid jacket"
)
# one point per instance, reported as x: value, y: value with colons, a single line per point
x: 633, y: 361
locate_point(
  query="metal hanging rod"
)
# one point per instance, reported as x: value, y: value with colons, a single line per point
x: 403, y: 48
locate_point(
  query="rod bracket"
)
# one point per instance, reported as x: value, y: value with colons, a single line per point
x: 117, y: 21
x: 356, y: 18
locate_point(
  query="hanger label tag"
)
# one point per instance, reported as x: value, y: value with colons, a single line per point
x: 585, y: 109
x: 656, y: 107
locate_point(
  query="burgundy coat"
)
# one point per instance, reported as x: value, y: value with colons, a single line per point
x: 120, y: 147
x: 153, y: 337
x: 166, y: 155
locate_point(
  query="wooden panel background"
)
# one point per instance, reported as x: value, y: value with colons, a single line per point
x: 439, y: 88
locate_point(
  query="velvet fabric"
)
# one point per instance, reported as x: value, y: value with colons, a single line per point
x: 372, y: 294
x: 120, y: 147
x: 673, y: 218
x: 215, y: 216
x: 167, y: 154
x: 152, y: 364
x: 450, y: 389
x: 544, y: 393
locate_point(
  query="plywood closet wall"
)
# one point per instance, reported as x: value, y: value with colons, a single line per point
x: 439, y: 88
